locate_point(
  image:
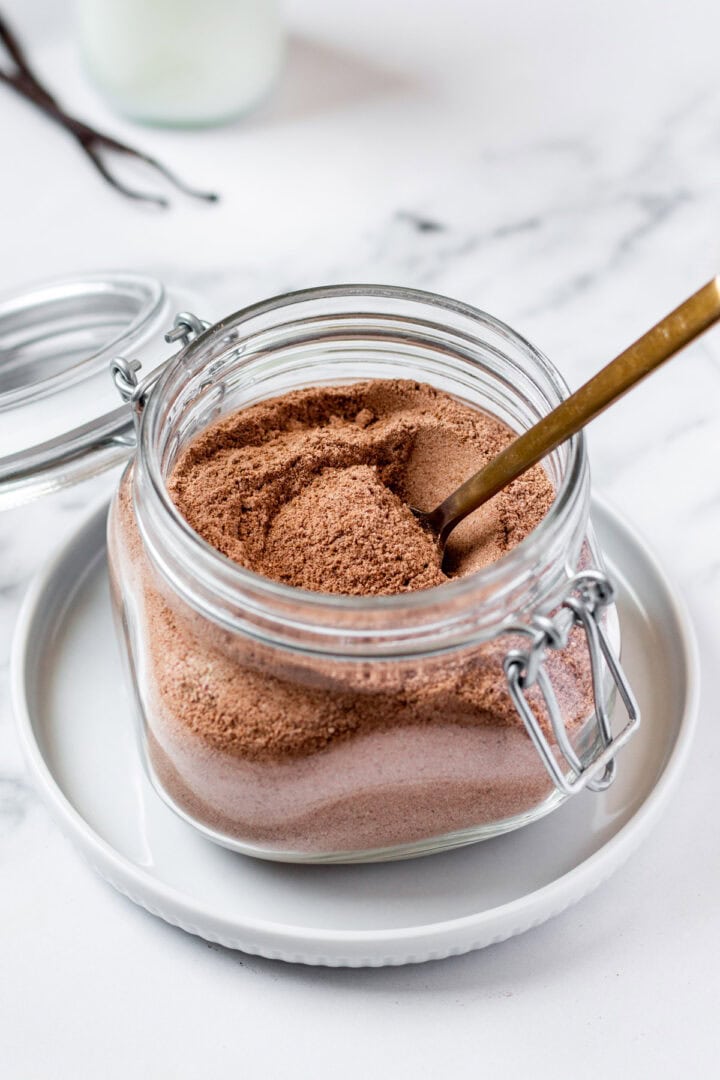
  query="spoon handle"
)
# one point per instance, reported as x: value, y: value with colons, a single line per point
x: 674, y: 332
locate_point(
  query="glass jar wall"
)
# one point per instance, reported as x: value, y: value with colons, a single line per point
x: 401, y: 702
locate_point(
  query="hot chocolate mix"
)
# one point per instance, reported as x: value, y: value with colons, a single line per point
x: 313, y: 489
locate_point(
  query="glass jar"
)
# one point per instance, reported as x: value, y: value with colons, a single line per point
x: 181, y: 62
x: 400, y: 692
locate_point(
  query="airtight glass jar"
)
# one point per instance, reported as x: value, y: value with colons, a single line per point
x: 402, y: 693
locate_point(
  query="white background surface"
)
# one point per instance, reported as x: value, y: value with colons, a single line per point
x: 571, y: 156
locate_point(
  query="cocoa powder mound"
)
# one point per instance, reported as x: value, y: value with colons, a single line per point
x: 314, y: 488
x: 348, y: 533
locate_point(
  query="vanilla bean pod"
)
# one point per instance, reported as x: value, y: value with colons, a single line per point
x: 91, y: 141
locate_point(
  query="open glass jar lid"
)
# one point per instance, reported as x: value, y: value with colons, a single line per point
x: 60, y: 421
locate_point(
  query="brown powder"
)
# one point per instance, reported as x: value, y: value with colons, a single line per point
x: 313, y: 488
x: 315, y: 754
x: 348, y: 533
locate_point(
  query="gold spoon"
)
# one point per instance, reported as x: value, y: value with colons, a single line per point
x: 697, y: 314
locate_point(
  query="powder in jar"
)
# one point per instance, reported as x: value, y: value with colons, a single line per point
x: 348, y: 533
x: 314, y: 488
x: 305, y: 753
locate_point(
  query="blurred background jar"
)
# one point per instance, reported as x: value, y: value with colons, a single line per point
x: 181, y: 62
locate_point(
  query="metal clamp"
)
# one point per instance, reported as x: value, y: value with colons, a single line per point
x: 588, y: 594
x: 186, y: 328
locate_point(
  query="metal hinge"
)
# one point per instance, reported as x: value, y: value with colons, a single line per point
x: 186, y: 328
x: 588, y: 594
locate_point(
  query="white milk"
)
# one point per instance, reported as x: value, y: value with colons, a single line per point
x: 181, y: 61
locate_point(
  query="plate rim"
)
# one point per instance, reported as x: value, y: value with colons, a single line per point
x: 290, y: 940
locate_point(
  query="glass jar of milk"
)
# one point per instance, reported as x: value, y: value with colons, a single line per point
x: 181, y: 62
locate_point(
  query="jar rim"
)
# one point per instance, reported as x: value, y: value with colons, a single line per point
x: 37, y: 309
x: 231, y: 576
x: 59, y: 335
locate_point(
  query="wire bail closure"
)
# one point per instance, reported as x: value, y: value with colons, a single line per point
x: 186, y: 328
x: 588, y: 594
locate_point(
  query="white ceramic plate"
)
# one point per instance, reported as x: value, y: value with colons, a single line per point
x: 77, y: 728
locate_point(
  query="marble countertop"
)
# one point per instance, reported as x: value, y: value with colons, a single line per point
x: 557, y: 164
